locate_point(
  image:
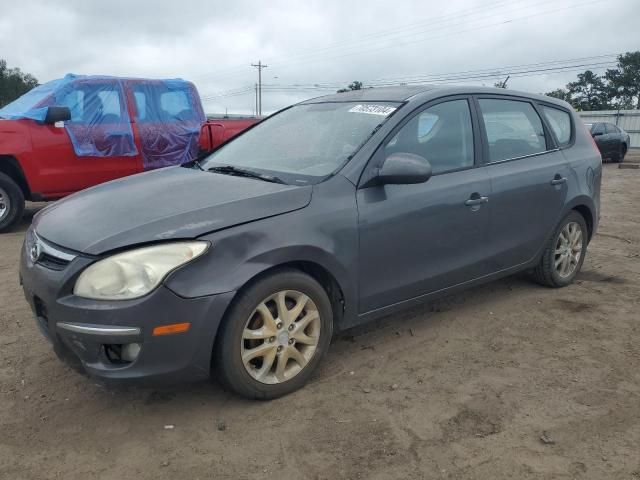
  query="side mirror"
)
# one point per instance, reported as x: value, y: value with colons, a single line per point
x: 404, y: 169
x: 57, y: 114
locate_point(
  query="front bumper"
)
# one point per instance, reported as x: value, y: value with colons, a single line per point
x: 81, y: 329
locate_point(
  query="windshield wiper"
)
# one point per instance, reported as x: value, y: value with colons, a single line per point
x: 241, y: 172
x: 197, y: 164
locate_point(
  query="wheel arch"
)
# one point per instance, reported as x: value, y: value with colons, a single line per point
x: 10, y: 166
x: 318, y: 272
x: 588, y: 216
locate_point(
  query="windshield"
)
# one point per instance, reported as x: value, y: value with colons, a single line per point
x: 304, y: 143
x: 34, y: 98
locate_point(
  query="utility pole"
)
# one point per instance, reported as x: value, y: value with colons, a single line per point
x: 256, y: 110
x: 259, y: 66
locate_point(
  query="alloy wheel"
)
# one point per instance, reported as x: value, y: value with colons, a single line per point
x: 280, y: 337
x: 5, y: 204
x: 568, y: 249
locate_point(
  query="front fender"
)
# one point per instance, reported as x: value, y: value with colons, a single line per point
x: 324, y: 233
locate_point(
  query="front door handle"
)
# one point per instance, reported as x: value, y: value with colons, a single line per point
x: 476, y: 200
x: 558, y: 180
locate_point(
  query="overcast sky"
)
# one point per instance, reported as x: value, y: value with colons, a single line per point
x: 325, y: 43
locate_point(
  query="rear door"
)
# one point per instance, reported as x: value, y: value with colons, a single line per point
x: 528, y: 174
x: 416, y: 239
x: 168, y: 118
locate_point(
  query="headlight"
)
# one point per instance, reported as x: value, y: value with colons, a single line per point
x: 135, y: 273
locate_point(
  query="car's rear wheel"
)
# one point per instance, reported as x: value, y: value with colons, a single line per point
x: 274, y: 336
x: 11, y: 203
x: 623, y: 153
x: 564, y: 253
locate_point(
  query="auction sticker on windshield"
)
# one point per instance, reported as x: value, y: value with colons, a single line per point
x: 371, y: 109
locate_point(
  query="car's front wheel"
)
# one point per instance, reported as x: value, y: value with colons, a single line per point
x: 564, y: 253
x: 274, y: 335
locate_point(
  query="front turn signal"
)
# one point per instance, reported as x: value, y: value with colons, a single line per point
x: 171, y: 329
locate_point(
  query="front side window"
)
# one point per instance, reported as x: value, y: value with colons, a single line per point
x: 442, y: 134
x: 92, y: 103
x: 513, y: 128
x: 560, y: 123
x: 305, y: 142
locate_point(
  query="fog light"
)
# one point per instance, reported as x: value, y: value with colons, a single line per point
x: 130, y: 351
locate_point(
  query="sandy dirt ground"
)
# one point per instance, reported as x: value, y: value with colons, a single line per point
x: 506, y: 381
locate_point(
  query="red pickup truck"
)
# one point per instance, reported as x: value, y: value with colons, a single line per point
x: 79, y: 131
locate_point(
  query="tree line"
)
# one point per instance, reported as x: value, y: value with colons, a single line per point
x: 617, y: 88
x: 14, y: 83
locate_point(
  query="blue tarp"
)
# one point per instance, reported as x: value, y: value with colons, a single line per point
x: 33, y: 104
x: 100, y: 125
x: 168, y: 116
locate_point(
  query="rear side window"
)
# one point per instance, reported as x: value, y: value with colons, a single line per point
x: 513, y: 128
x: 560, y: 123
x: 598, y: 129
x: 175, y: 104
x: 610, y: 128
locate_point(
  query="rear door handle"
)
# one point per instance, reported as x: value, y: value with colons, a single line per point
x: 558, y: 180
x: 476, y: 201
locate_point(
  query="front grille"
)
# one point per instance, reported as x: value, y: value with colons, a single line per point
x: 45, y: 254
x: 54, y: 263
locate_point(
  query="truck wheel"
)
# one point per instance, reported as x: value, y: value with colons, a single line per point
x: 564, y: 253
x: 11, y: 203
x: 274, y: 335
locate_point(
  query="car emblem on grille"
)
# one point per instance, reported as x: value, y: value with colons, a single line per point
x: 34, y: 252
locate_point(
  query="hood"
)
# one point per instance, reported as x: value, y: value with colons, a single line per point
x: 14, y: 137
x: 170, y: 203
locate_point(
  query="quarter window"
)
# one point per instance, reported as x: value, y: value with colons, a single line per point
x: 442, y: 134
x: 513, y: 128
x: 560, y: 123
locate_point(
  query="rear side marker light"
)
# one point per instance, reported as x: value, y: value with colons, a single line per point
x: 171, y: 329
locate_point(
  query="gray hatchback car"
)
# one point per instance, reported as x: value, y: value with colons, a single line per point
x: 328, y: 214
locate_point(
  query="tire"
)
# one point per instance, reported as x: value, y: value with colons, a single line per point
x: 11, y: 203
x: 623, y: 153
x: 546, y: 273
x: 262, y: 378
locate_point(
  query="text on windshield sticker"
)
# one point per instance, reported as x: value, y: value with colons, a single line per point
x: 383, y: 110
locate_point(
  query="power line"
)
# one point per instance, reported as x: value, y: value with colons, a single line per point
x: 400, y: 30
x: 321, y: 54
x: 522, y: 70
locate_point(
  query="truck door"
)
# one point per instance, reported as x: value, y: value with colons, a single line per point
x: 95, y: 146
x: 168, y: 118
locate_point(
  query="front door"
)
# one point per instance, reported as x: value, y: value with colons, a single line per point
x: 529, y: 179
x: 95, y: 146
x: 416, y: 239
